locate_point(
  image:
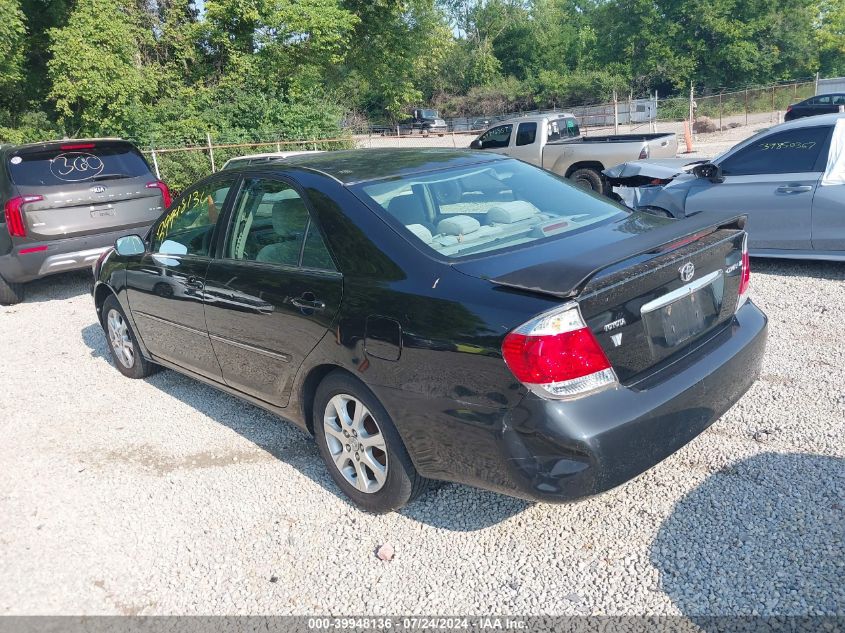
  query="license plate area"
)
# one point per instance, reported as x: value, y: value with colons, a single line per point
x: 683, y: 314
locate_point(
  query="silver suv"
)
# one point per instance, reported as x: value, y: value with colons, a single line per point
x: 66, y: 202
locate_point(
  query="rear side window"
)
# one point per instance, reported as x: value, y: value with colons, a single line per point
x: 76, y: 162
x: 792, y: 151
x: 563, y: 128
x: 272, y: 225
x: 526, y: 134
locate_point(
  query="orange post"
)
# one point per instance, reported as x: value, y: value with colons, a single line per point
x: 688, y: 137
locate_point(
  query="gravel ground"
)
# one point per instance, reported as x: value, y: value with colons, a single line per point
x: 164, y: 496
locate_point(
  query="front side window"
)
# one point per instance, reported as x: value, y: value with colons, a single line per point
x: 270, y: 224
x: 188, y: 226
x: 463, y: 211
x: 499, y: 136
x: 526, y: 134
x: 791, y: 151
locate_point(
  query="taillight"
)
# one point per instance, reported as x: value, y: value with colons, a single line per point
x: 165, y: 191
x: 67, y: 147
x: 745, y: 279
x: 555, y: 355
x: 644, y: 152
x: 14, y: 215
x: 789, y: 108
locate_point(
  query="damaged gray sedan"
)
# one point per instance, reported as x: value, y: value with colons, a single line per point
x: 789, y: 180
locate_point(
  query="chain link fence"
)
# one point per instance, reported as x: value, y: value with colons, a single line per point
x: 725, y: 110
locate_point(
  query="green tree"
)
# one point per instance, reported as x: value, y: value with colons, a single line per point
x: 12, y: 44
x: 830, y: 37
x: 397, y: 49
x: 98, y: 82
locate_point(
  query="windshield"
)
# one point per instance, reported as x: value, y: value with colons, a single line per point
x: 76, y: 163
x: 461, y: 212
x: 428, y: 114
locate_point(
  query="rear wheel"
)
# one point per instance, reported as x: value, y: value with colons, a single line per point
x: 361, y: 447
x: 587, y: 178
x: 122, y: 342
x: 10, y: 293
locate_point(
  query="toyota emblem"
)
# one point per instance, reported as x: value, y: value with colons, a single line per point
x: 687, y: 271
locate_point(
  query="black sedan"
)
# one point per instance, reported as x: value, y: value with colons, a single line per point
x: 434, y: 314
x: 820, y: 104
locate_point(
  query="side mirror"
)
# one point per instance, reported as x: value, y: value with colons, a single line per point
x: 129, y: 245
x: 711, y: 172
x: 476, y: 144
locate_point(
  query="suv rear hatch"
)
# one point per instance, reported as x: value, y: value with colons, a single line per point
x: 72, y: 188
x: 648, y: 296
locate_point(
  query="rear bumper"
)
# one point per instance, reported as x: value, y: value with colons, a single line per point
x: 561, y: 451
x: 61, y: 255
x: 558, y: 451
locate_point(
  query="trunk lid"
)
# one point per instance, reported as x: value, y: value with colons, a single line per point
x: 86, y: 187
x: 648, y: 287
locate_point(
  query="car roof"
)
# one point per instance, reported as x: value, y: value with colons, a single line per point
x: 537, y: 117
x: 810, y: 121
x: 269, y: 155
x: 360, y: 165
x: 45, y: 145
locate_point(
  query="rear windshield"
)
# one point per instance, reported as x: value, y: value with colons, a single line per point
x: 81, y: 162
x: 461, y: 212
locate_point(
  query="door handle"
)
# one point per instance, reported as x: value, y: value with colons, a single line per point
x: 794, y: 188
x: 308, y: 302
x: 194, y: 282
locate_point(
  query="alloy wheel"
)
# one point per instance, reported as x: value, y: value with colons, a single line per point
x: 356, y: 443
x: 121, y: 341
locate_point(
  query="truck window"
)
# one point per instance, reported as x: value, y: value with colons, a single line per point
x: 566, y: 127
x: 499, y: 136
x: 526, y: 134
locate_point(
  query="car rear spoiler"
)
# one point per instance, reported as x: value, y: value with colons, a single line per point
x: 566, y: 278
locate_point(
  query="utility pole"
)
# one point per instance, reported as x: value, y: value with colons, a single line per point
x: 210, y: 151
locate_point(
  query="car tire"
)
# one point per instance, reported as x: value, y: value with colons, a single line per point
x: 122, y: 342
x: 10, y: 293
x: 589, y: 179
x: 356, y: 445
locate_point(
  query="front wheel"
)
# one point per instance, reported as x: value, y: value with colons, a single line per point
x: 122, y: 342
x: 361, y: 448
x: 588, y: 179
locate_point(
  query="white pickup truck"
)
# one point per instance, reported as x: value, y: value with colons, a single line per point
x: 554, y: 142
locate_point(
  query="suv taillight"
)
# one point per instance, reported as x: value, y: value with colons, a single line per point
x: 644, y: 152
x: 14, y: 215
x: 556, y: 355
x: 745, y: 279
x: 165, y: 191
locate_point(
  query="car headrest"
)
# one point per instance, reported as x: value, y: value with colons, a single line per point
x: 421, y: 232
x: 447, y: 192
x: 408, y: 209
x: 288, y: 215
x: 511, y: 211
x: 458, y: 225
